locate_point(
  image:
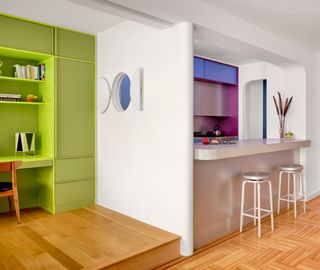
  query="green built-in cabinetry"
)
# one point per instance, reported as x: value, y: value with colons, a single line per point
x: 25, y: 35
x: 62, y: 174
x: 75, y: 136
x: 74, y: 45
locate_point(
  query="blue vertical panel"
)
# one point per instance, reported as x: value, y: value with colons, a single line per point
x: 124, y: 93
x: 264, y: 112
x: 198, y: 67
x: 219, y: 72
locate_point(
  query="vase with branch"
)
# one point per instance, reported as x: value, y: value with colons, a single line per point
x: 282, y: 110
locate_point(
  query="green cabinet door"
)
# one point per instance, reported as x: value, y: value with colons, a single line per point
x: 24, y: 35
x: 75, y: 45
x: 75, y: 108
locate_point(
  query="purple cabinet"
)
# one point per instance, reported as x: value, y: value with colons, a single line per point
x: 219, y: 72
x: 216, y: 95
x: 211, y: 71
x: 198, y: 65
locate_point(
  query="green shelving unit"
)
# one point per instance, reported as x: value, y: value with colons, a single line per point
x: 21, y: 103
x: 20, y: 80
x: 61, y: 176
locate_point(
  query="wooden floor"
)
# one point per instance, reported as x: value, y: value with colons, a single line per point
x: 87, y: 238
x: 295, y: 244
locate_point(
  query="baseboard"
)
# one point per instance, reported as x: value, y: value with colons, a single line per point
x: 313, y: 196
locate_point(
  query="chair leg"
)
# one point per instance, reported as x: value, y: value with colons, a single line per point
x: 255, y: 203
x: 294, y: 195
x: 242, y: 205
x: 16, y: 204
x: 259, y: 210
x: 271, y: 205
x: 279, y: 191
x: 10, y: 205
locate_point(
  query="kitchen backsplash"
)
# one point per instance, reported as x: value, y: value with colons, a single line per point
x: 205, y: 122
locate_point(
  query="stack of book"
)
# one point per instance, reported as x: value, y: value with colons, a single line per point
x: 30, y: 72
x: 10, y: 97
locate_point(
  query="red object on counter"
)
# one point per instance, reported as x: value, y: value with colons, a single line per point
x: 205, y: 141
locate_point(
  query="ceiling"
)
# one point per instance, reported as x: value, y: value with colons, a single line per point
x: 208, y: 50
x: 61, y: 13
x: 295, y: 20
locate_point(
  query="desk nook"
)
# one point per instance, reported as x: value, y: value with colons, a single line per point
x: 48, y: 64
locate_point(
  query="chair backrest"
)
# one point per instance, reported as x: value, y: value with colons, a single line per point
x: 5, y: 167
x: 9, y: 166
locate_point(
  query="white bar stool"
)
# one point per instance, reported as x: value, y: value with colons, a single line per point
x: 256, y: 178
x: 300, y: 195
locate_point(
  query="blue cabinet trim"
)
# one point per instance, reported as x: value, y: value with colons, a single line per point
x: 214, y: 71
x: 198, y: 65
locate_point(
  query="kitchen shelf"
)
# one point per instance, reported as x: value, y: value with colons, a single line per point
x: 20, y: 80
x: 21, y: 102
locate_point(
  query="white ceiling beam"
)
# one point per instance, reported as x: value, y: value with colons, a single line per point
x: 124, y: 12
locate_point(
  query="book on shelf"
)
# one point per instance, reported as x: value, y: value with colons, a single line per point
x: 10, y: 97
x: 31, y: 72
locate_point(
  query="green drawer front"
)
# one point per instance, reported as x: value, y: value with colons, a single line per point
x: 74, y: 194
x: 24, y: 35
x: 75, y: 45
x: 75, y: 169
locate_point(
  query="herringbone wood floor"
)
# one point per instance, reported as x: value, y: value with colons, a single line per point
x: 295, y: 244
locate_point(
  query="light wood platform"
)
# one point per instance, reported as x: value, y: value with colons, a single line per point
x: 295, y: 244
x: 86, y: 238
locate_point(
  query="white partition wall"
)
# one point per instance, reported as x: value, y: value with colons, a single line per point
x: 253, y: 126
x: 145, y: 158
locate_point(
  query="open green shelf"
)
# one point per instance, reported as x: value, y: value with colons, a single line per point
x: 21, y: 102
x: 20, y: 80
x: 21, y: 54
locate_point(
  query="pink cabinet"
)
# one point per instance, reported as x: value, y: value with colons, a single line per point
x: 210, y: 99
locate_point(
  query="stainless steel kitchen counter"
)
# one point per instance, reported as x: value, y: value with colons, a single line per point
x: 246, y: 147
x: 217, y: 182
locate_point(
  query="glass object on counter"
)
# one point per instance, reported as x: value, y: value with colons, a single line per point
x: 281, y: 132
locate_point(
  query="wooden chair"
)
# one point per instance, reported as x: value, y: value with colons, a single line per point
x: 9, y: 189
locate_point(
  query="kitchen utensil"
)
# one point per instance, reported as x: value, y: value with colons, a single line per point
x: 217, y: 131
x: 204, y: 132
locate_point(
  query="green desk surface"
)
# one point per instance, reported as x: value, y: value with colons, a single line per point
x: 35, y: 161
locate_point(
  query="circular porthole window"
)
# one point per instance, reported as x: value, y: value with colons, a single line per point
x: 104, y: 94
x: 121, y: 92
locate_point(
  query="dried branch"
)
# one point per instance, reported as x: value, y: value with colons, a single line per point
x: 280, y: 104
x: 275, y: 103
x: 287, y: 107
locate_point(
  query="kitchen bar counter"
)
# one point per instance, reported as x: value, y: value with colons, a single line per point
x: 217, y: 182
x: 246, y: 147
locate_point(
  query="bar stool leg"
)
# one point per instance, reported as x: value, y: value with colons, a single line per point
x: 288, y: 203
x: 271, y: 205
x: 259, y: 210
x: 255, y: 203
x: 303, y: 180
x: 294, y: 195
x: 242, y: 205
x: 279, y: 191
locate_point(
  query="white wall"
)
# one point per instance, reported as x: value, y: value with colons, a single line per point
x: 145, y: 159
x: 275, y: 82
x: 253, y: 128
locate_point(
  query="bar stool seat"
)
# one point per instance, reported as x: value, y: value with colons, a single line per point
x: 299, y: 193
x: 291, y: 167
x: 256, y: 178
